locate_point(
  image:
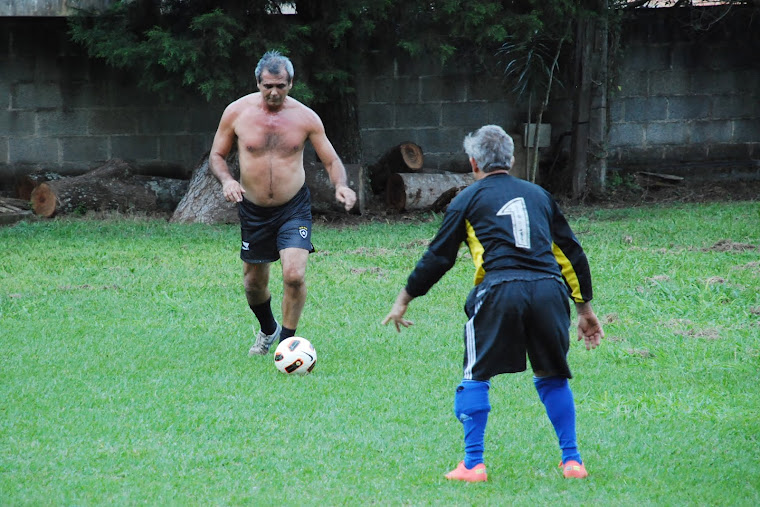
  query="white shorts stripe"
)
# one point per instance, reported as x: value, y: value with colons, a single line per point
x: 469, y: 344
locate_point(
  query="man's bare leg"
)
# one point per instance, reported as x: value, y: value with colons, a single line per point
x: 294, y: 287
x: 256, y: 283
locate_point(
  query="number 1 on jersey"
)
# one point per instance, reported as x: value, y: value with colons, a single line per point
x: 518, y: 212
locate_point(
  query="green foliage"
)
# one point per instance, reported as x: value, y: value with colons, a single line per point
x: 202, y: 49
x: 125, y: 378
x: 210, y: 47
x: 538, y: 33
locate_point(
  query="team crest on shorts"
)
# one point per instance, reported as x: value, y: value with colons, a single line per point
x: 303, y: 231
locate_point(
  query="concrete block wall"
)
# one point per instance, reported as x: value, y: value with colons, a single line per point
x: 678, y: 98
x: 682, y: 97
x: 61, y: 112
x: 416, y: 100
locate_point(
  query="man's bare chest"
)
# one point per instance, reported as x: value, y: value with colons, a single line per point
x: 277, y: 137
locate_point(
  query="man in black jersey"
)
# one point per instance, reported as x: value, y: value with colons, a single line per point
x: 528, y: 262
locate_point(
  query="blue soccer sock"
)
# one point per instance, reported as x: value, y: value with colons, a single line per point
x: 471, y: 408
x: 557, y: 398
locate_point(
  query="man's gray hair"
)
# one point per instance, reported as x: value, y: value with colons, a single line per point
x: 274, y: 62
x: 491, y: 147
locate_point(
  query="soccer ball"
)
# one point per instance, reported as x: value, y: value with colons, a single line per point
x: 295, y: 355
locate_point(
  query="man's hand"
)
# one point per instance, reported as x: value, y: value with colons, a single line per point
x: 232, y: 190
x: 398, y: 310
x: 589, y: 328
x: 345, y: 195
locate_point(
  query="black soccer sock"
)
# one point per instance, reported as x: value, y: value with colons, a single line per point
x: 287, y: 333
x: 263, y: 312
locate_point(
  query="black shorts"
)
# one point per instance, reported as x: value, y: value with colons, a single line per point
x: 267, y: 230
x: 509, y: 318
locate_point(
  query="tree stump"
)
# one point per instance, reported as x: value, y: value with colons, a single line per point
x: 406, y: 157
x: 421, y: 191
x: 323, y: 192
x: 111, y: 187
x: 204, y: 201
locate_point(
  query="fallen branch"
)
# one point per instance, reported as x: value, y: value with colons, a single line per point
x: 111, y: 187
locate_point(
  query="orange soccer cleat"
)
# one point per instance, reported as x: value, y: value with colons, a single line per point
x: 474, y: 474
x: 573, y: 470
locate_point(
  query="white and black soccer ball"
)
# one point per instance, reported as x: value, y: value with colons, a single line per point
x: 295, y: 356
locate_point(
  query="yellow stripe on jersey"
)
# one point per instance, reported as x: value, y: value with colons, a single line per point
x: 568, y: 272
x: 476, y: 250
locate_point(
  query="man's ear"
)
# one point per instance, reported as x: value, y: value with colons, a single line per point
x: 474, y: 165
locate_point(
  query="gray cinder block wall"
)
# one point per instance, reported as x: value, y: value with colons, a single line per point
x: 678, y: 98
x: 403, y: 100
x: 683, y: 97
x: 65, y: 113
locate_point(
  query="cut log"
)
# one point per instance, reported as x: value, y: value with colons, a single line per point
x: 11, y: 205
x: 323, y: 192
x: 647, y: 179
x: 111, y: 187
x: 406, y: 157
x: 14, y: 210
x: 204, y: 201
x: 421, y: 191
x: 28, y: 182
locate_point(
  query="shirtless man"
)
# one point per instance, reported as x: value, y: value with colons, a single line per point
x: 271, y: 129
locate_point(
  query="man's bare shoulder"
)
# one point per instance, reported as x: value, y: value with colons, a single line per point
x: 244, y: 102
x: 304, y: 113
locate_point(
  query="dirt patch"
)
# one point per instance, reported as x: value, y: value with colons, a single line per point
x: 726, y: 245
x: 699, y: 191
x: 372, y: 271
x: 708, y: 334
x: 752, y: 266
x: 640, y: 352
x: 371, y: 252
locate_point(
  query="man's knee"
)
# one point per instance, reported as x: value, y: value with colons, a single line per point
x: 293, y: 268
x: 293, y: 278
x: 255, y: 278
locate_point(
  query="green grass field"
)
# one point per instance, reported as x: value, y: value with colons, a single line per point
x: 125, y: 379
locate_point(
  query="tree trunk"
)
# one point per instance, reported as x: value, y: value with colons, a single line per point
x: 111, y: 187
x: 588, y: 156
x: 323, y: 192
x: 406, y: 157
x: 341, y: 123
x: 421, y: 191
x: 204, y: 201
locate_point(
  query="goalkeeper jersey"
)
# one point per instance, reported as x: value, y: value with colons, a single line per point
x: 514, y: 229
